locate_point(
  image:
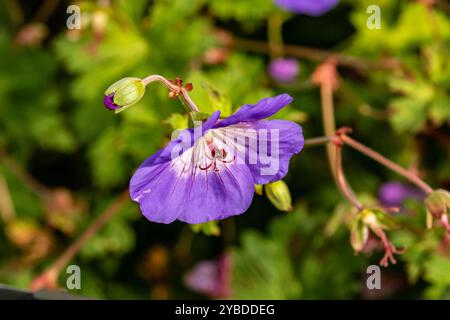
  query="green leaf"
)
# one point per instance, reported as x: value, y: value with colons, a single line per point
x: 115, y: 238
x: 177, y: 121
x: 436, y: 270
x: 262, y: 270
x: 207, y: 97
x: 409, y: 115
x: 106, y: 160
x: 51, y: 132
x: 440, y: 109
x: 246, y: 11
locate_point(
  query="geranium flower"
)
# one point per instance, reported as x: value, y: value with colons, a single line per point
x: 309, y: 7
x: 394, y: 194
x: 209, y: 172
x: 284, y: 70
x: 212, y: 278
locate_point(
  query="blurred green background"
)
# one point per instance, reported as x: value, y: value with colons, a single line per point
x: 64, y: 158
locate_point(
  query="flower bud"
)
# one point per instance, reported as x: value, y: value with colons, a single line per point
x: 437, y: 204
x: 376, y: 218
x: 278, y: 193
x: 259, y: 189
x: 210, y: 228
x: 123, y: 94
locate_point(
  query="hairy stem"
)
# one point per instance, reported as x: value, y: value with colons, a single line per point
x: 316, y: 141
x: 173, y: 88
x: 315, y: 54
x: 326, y: 93
x: 341, y: 181
x: 7, y: 210
x: 48, y: 278
x: 274, y: 34
x: 386, y: 162
x: 27, y: 179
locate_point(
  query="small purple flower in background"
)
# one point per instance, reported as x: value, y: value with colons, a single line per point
x: 211, y: 278
x: 212, y: 177
x: 284, y: 70
x: 309, y: 7
x: 394, y: 194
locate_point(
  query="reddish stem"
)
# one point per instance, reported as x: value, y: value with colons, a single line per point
x: 49, y: 277
x: 386, y: 162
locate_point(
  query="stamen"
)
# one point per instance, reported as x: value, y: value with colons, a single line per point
x: 228, y: 161
x: 205, y: 168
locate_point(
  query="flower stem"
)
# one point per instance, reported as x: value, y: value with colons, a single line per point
x: 274, y: 35
x: 386, y: 162
x: 341, y: 181
x: 326, y: 93
x: 174, y: 89
x: 316, y: 141
x: 7, y: 210
x: 49, y: 277
x: 314, y: 54
x: 389, y: 248
x: 27, y: 179
x: 375, y: 156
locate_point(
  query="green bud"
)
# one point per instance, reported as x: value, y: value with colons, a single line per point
x: 278, y: 193
x: 210, y: 228
x: 437, y: 204
x: 259, y: 189
x: 124, y: 93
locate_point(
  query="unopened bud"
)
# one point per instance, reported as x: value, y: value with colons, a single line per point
x: 259, y: 189
x: 375, y: 220
x: 210, y: 228
x: 437, y: 203
x: 123, y: 94
x: 278, y: 193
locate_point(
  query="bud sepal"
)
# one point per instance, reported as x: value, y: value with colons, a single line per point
x: 437, y: 204
x: 376, y: 220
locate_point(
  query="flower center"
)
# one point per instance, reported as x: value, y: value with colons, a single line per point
x: 213, y: 154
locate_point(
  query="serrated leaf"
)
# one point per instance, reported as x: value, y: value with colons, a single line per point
x: 409, y: 115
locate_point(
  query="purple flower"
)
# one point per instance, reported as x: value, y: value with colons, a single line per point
x: 212, y: 278
x: 394, y: 194
x: 209, y: 172
x: 309, y: 7
x: 284, y: 70
x: 108, y: 101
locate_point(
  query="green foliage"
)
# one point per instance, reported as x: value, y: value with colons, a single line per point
x: 247, y: 11
x: 55, y: 133
x: 262, y: 270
